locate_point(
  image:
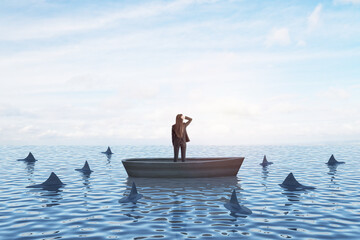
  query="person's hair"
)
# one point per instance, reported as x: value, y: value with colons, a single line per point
x: 179, y: 126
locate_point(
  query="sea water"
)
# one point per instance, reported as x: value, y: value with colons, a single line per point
x: 87, y: 207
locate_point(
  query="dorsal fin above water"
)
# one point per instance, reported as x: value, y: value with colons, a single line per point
x: 133, y: 196
x: 52, y: 183
x: 333, y: 161
x: 292, y: 184
x: 86, y: 167
x: 108, y: 151
x: 234, y: 206
x: 233, y: 199
x: 290, y: 180
x: 265, y: 162
x: 30, y: 158
x: 52, y: 180
x: 133, y: 191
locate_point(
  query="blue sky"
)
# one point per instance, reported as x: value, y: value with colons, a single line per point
x: 117, y: 72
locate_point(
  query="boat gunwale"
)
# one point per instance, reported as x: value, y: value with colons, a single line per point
x: 190, y: 160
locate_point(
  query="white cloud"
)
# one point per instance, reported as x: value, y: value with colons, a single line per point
x: 278, y: 36
x: 111, y: 78
x: 334, y: 93
x: 9, y: 111
x: 301, y: 43
x: 355, y: 2
x: 314, y: 18
x: 55, y: 27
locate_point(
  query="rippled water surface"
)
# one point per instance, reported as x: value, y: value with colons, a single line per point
x: 88, y: 207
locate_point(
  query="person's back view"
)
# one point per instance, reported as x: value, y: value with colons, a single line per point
x: 180, y: 136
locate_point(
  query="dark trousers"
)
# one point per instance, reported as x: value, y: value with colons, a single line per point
x: 176, y: 151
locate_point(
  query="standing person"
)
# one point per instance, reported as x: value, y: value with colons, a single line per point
x: 179, y: 136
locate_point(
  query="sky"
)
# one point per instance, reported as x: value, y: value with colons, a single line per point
x: 117, y: 72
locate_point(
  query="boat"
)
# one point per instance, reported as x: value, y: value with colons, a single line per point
x: 191, y: 168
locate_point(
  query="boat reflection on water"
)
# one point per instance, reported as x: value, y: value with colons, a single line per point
x: 181, y: 203
x: 184, y: 183
x: 196, y: 192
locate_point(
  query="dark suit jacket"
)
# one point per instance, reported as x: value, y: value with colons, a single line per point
x: 185, y: 138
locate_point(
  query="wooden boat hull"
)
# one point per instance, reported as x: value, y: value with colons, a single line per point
x: 191, y: 168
